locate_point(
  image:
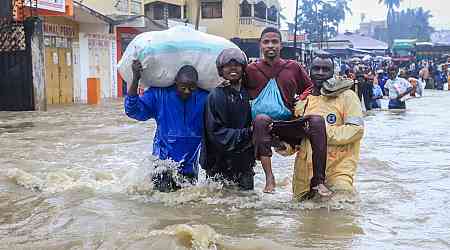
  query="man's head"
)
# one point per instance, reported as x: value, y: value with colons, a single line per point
x: 360, y: 73
x: 403, y: 74
x: 322, y: 68
x: 270, y: 43
x: 186, y: 81
x: 393, y: 72
x: 231, y: 64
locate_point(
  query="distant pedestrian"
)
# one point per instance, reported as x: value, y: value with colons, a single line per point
x: 397, y: 88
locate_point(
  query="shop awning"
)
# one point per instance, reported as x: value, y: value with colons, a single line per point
x: 84, y: 14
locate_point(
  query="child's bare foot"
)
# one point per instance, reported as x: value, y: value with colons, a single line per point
x: 270, y: 185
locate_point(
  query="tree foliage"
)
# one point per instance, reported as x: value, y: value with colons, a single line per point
x: 320, y: 18
x: 407, y: 24
x: 391, y: 5
x: 412, y: 24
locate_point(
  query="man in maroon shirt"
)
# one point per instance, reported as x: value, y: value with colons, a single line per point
x: 294, y: 85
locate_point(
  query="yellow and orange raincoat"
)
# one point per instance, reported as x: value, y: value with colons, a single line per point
x: 345, y: 129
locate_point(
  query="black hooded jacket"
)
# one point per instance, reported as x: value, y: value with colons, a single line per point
x: 227, y: 147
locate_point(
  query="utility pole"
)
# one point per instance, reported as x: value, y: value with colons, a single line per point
x: 199, y: 8
x: 296, y: 28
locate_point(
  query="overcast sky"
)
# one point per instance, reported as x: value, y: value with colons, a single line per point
x: 374, y: 11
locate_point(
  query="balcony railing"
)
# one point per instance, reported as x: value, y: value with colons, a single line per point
x: 257, y: 22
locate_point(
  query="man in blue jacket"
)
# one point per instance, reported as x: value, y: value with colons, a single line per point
x: 178, y: 112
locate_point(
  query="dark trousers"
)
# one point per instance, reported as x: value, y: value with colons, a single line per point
x: 244, y: 180
x: 365, y: 93
x: 169, y: 181
x: 312, y: 127
x: 396, y: 104
x: 236, y: 167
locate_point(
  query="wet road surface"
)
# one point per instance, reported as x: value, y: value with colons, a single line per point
x: 74, y: 178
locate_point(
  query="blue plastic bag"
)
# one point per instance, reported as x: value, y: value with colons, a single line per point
x: 270, y: 102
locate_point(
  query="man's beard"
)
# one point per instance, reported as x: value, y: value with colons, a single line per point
x: 319, y: 82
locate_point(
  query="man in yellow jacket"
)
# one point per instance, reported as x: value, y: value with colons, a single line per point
x: 333, y: 99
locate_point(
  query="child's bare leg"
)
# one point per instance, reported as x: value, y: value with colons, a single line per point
x: 270, y: 179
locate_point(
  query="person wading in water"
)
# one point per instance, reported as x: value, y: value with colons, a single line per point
x: 228, y: 152
x: 275, y: 85
x: 333, y: 99
x: 178, y: 112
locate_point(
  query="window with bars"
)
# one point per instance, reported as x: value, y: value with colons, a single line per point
x: 260, y: 10
x: 212, y: 10
x: 158, y: 11
x: 174, y: 11
x: 121, y: 5
x: 245, y: 9
x: 136, y: 7
x: 272, y: 14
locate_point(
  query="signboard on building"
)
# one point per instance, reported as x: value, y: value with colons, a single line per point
x: 52, y: 5
x: 300, y: 38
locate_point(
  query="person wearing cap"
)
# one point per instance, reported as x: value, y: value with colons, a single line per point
x: 333, y: 99
x: 178, y: 112
x: 227, y: 149
x: 276, y: 86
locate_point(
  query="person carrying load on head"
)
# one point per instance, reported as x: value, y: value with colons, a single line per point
x: 178, y: 112
x: 227, y: 149
x: 333, y: 99
x: 276, y: 85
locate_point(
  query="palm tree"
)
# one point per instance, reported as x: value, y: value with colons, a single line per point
x: 390, y: 4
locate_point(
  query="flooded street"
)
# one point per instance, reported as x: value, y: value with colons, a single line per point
x: 71, y: 178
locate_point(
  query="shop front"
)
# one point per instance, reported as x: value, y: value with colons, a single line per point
x: 59, y: 36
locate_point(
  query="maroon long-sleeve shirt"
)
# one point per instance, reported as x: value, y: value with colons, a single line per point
x: 293, y: 81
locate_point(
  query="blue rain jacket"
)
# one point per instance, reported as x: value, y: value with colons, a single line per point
x: 179, y: 124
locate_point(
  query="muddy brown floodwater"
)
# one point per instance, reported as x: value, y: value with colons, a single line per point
x: 74, y: 178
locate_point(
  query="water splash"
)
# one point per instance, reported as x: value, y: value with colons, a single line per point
x: 201, y: 237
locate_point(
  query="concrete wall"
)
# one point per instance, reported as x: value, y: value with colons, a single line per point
x: 38, y: 65
x: 81, y: 59
x: 98, y: 56
x: 109, y: 7
x: 83, y: 69
x: 250, y: 31
x: 229, y: 25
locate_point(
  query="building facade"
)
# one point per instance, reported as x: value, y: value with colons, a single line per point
x: 116, y: 7
x: 84, y: 39
x: 375, y: 29
x: 79, y: 47
x: 243, y: 19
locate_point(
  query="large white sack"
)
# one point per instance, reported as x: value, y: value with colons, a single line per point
x: 163, y: 53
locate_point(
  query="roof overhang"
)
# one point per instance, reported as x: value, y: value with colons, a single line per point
x: 84, y: 14
x: 174, y: 2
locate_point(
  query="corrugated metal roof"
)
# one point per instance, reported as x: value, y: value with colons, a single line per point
x: 362, y: 42
x: 441, y: 37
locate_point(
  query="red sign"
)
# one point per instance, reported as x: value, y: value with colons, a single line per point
x: 301, y: 37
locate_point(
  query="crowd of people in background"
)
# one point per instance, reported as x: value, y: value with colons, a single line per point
x: 371, y: 78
